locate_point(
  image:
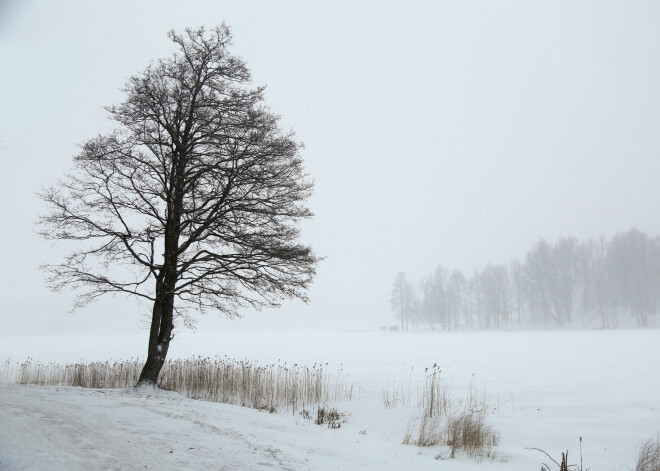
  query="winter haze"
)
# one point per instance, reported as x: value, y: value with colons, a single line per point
x: 448, y: 133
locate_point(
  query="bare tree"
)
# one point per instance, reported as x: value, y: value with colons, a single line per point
x: 537, y: 267
x: 564, y: 268
x: 601, y: 286
x: 493, y: 284
x: 404, y: 301
x: 633, y: 261
x: 193, y: 202
x: 436, y: 298
x: 456, y: 286
x: 518, y: 288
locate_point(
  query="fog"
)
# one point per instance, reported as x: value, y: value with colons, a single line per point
x: 439, y: 133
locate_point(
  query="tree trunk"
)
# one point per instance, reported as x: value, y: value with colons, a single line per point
x: 162, y: 318
x: 159, y: 339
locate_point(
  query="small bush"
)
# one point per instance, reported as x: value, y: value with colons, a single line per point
x: 461, y: 425
x: 469, y: 432
x: 648, y: 458
x: 425, y: 431
x: 464, y: 431
x: 332, y: 417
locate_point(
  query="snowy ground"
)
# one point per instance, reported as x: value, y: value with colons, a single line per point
x: 549, y: 388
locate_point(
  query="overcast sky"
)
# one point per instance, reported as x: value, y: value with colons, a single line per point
x: 452, y: 133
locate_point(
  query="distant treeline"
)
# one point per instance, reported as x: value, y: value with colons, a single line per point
x: 591, y: 283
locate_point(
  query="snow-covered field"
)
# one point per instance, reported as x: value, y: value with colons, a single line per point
x: 548, y: 389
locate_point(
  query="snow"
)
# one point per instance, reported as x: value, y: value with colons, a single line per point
x: 548, y: 389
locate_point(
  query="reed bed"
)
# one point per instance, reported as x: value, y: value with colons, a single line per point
x: 216, y: 379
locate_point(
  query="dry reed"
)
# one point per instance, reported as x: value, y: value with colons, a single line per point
x: 468, y: 431
x: 561, y: 465
x: 330, y: 416
x: 425, y: 431
x: 434, y: 398
x: 459, y: 424
x: 648, y: 458
x: 225, y: 380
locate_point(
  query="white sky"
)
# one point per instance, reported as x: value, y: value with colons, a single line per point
x: 437, y: 132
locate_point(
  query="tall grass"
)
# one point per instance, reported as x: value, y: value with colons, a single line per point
x: 445, y: 421
x: 561, y: 465
x: 121, y: 374
x: 434, y: 398
x: 469, y: 432
x: 648, y: 458
x: 395, y: 395
x: 225, y: 380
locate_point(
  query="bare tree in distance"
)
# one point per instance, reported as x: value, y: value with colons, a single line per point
x: 634, y: 263
x: 403, y: 301
x: 569, y: 282
x: 193, y: 202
